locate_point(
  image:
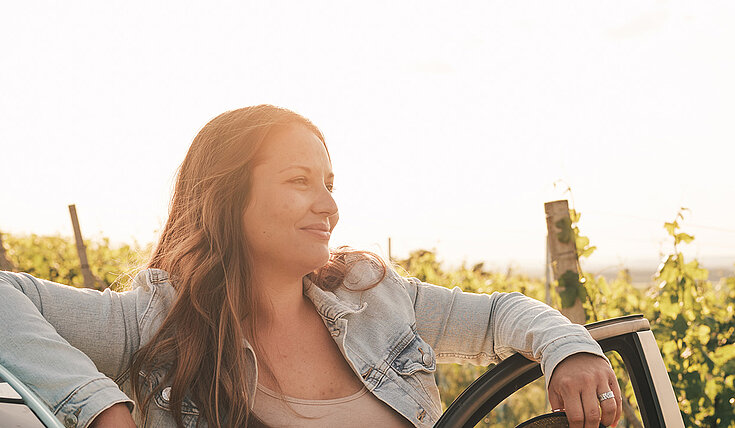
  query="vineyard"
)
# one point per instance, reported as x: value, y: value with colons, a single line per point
x: 692, y: 317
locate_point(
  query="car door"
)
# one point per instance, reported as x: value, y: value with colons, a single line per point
x: 20, y: 407
x: 629, y: 336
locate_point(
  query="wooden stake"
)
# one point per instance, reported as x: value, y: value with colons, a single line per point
x: 5, y: 263
x: 563, y: 257
x: 390, y: 256
x: 547, y: 272
x: 89, y: 279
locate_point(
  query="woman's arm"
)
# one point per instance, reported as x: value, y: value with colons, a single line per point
x: 117, y: 416
x: 483, y: 329
x: 480, y: 328
x: 65, y: 343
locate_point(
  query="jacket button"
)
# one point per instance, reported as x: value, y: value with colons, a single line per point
x: 70, y: 421
x: 425, y: 357
x: 166, y: 393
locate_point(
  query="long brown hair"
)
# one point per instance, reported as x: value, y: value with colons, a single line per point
x: 202, y: 247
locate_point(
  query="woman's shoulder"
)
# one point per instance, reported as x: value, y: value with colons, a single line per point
x: 156, y: 296
x: 151, y: 279
x: 156, y: 284
x: 366, y: 271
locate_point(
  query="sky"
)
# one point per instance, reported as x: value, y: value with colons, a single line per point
x: 449, y: 124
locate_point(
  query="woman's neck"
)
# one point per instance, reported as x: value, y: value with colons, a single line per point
x: 282, y: 299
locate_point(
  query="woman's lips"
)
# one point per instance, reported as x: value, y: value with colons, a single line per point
x: 318, y: 233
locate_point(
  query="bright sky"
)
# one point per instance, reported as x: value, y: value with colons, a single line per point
x: 448, y: 122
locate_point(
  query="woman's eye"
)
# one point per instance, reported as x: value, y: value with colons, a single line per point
x: 303, y: 181
x: 299, y: 180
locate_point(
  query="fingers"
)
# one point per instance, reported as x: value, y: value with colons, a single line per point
x: 557, y: 404
x: 575, y: 386
x: 574, y: 410
x: 583, y: 411
x: 583, y: 407
x: 609, y: 407
x: 591, y: 406
x: 615, y: 388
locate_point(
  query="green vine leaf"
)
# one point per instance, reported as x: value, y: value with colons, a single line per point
x: 683, y: 237
x: 574, y: 215
x: 570, y: 288
x: 566, y: 234
x: 671, y: 227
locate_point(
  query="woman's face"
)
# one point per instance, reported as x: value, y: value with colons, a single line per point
x: 291, y: 212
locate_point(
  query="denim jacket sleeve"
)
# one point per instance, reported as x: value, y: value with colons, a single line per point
x: 67, y: 343
x: 483, y: 329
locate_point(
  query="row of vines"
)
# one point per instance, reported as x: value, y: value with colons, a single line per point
x: 692, y: 318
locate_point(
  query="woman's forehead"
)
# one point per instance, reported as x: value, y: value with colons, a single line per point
x: 294, y: 145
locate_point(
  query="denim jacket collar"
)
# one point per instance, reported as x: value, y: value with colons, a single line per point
x: 328, y: 305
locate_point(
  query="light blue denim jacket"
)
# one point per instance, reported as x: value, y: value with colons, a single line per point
x: 73, y: 346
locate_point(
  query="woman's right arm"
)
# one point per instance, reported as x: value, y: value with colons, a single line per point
x: 66, y: 343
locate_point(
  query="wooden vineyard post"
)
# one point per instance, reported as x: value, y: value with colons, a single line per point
x: 547, y: 272
x: 5, y: 263
x: 563, y: 260
x: 89, y: 279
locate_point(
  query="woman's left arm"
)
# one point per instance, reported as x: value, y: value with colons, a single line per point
x: 483, y: 329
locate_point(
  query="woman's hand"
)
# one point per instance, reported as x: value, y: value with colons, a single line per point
x: 575, y: 385
x: 116, y: 416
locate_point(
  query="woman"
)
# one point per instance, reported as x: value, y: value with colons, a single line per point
x: 246, y: 317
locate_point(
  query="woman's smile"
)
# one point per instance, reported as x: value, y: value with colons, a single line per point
x: 318, y: 230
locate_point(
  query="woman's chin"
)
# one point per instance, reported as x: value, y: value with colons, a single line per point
x: 323, y: 260
x: 317, y: 260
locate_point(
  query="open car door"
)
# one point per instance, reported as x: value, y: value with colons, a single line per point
x: 629, y: 336
x: 20, y: 407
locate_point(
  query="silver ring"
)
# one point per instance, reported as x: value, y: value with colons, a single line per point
x: 605, y: 396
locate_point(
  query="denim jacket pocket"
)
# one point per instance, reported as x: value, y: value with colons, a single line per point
x: 159, y: 411
x: 416, y: 364
x: 416, y: 356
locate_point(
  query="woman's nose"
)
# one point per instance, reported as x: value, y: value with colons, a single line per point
x: 325, y: 204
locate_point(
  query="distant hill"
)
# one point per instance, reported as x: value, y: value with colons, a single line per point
x: 641, y: 271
